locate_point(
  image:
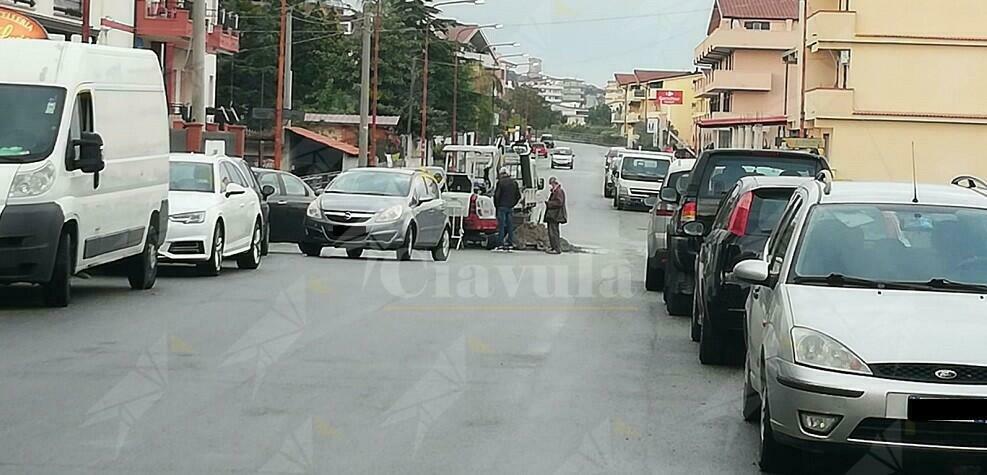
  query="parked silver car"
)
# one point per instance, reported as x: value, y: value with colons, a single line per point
x: 661, y: 212
x: 379, y: 209
x: 865, y: 322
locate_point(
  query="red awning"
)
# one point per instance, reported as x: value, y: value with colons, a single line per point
x: 714, y: 123
x: 322, y: 139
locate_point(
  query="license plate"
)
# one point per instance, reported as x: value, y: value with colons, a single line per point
x: 954, y: 409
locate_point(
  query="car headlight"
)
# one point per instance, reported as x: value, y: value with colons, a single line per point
x: 33, y: 182
x: 820, y: 351
x: 197, y: 217
x: 389, y: 215
x: 624, y: 190
x: 314, y: 211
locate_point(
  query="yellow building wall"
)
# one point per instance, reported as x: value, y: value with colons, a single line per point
x: 680, y: 116
x: 882, y: 150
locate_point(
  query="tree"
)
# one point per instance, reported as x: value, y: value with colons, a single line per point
x: 600, y: 115
x: 535, y: 112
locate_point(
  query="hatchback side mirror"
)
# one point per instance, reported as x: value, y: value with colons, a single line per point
x: 752, y: 271
x: 267, y: 190
x: 669, y: 195
x: 694, y: 229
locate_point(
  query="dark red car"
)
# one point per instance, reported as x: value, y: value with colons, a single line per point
x: 539, y: 150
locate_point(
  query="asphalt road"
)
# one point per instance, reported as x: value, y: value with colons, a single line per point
x: 490, y: 363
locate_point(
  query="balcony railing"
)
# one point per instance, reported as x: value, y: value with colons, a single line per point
x: 723, y: 41
x: 827, y: 29
x: 170, y: 21
x: 826, y: 103
x: 728, y: 80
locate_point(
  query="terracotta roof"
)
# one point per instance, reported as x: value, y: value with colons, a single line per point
x: 624, y: 79
x: 644, y: 75
x: 759, y: 9
x: 328, y: 142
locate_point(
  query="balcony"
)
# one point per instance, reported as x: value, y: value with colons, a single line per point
x: 830, y: 29
x: 723, y: 41
x: 825, y: 103
x: 168, y: 21
x: 632, y: 118
x: 724, y: 80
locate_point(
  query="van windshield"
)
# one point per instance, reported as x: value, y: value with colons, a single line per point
x: 644, y: 169
x: 31, y: 126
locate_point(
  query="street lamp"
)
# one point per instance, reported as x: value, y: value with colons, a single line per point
x: 428, y: 28
x: 455, y: 76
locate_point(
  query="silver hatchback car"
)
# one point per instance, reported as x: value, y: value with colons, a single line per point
x: 379, y: 209
x: 866, y: 321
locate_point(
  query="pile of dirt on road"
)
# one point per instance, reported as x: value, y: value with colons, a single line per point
x: 531, y: 236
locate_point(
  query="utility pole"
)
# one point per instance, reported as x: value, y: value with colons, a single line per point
x: 424, y: 140
x: 365, y: 86
x: 279, y: 90
x: 86, y: 35
x: 378, y: 19
x: 198, y: 60
x: 289, y: 79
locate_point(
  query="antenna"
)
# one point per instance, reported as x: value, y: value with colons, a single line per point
x: 914, y: 177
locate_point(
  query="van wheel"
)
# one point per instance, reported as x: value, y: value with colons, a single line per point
x: 251, y: 258
x: 606, y: 191
x: 58, y: 291
x: 404, y: 254
x: 214, y: 265
x: 310, y: 249
x: 142, y: 269
x: 440, y: 253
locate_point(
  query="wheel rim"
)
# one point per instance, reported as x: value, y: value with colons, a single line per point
x: 765, y: 418
x: 218, y: 253
x: 411, y: 242
x: 445, y: 243
x: 152, y: 257
x: 255, y: 245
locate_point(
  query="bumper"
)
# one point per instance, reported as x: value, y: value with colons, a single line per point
x: 28, y: 239
x: 561, y: 163
x: 874, y: 411
x: 187, y: 243
x: 475, y: 224
x: 635, y: 200
x: 382, y: 237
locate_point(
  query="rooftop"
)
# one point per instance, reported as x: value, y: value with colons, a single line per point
x: 759, y: 9
x: 902, y: 193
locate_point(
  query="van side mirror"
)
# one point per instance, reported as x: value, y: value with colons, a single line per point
x: 650, y: 201
x: 90, y: 157
x: 669, y: 195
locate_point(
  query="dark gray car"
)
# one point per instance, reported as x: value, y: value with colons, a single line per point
x: 379, y: 209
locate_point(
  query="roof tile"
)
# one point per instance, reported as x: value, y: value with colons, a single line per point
x: 759, y: 9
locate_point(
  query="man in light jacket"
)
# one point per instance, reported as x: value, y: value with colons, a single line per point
x: 555, y: 215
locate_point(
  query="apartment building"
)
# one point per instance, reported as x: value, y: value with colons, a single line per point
x: 744, y: 75
x: 882, y: 75
x: 665, y: 97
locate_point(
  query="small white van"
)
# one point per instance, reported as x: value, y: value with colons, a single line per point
x: 83, y: 163
x: 638, y: 175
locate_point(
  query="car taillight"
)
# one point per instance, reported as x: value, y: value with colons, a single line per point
x: 664, y: 209
x: 473, y: 204
x: 688, y: 212
x: 740, y: 214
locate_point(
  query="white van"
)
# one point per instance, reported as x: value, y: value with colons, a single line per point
x: 83, y: 163
x: 638, y: 175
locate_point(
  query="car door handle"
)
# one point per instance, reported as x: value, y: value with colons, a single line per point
x: 282, y: 202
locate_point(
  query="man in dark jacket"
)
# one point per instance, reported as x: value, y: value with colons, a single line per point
x: 506, y: 197
x: 555, y: 214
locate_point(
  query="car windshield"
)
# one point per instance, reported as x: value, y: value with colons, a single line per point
x: 30, y: 127
x: 192, y: 176
x: 562, y: 151
x: 644, y: 168
x: 719, y: 179
x: 895, y: 243
x: 370, y: 182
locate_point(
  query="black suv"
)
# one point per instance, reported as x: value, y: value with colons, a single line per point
x: 716, y: 172
x: 749, y: 214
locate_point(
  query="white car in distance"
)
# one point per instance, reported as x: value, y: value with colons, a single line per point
x: 214, y: 215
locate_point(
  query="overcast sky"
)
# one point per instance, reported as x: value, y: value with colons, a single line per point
x: 592, y: 39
